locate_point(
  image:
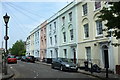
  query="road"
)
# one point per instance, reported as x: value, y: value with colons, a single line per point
x: 40, y: 70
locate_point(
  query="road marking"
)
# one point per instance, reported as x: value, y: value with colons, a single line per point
x: 11, y: 67
x: 34, y: 77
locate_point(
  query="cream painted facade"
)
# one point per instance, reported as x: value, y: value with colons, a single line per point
x: 94, y: 46
x: 28, y: 45
x: 33, y: 43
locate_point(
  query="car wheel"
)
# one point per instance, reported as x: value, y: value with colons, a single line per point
x: 52, y: 66
x: 76, y: 70
x: 61, y: 68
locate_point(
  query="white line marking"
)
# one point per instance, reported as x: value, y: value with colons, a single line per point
x: 34, y: 77
x: 11, y: 67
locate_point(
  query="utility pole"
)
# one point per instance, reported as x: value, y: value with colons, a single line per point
x: 6, y: 19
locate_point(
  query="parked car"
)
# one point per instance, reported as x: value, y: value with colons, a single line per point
x: 23, y: 58
x: 11, y: 59
x: 30, y: 58
x: 18, y: 57
x: 64, y: 64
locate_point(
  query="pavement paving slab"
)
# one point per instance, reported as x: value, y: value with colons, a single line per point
x: 9, y: 74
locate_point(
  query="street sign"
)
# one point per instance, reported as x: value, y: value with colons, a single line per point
x: 6, y: 37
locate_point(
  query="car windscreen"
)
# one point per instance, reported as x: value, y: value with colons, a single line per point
x: 11, y: 57
x: 66, y: 60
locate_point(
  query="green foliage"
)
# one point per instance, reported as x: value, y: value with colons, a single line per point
x: 18, y: 48
x: 112, y: 16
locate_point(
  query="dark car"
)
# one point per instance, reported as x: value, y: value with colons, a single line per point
x: 30, y: 59
x: 23, y: 58
x: 11, y: 59
x: 64, y: 64
x: 18, y: 57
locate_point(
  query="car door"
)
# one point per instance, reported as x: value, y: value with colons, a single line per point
x: 54, y: 62
x: 59, y: 63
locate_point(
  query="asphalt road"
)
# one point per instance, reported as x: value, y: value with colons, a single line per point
x: 40, y: 70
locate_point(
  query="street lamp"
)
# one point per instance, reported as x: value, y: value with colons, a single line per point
x: 6, y: 19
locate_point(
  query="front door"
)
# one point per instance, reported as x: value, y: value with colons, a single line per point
x: 74, y: 52
x: 105, y: 56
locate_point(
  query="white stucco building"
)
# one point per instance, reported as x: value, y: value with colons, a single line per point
x: 68, y: 32
x: 52, y: 36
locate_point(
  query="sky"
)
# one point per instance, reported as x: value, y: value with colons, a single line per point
x: 25, y: 16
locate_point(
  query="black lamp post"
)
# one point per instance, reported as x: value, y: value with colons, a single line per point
x: 6, y: 19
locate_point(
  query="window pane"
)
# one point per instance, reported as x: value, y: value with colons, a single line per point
x: 97, y: 5
x: 55, y: 25
x: 65, y: 53
x: 86, y: 30
x: 70, y: 16
x: 63, y: 20
x: 71, y: 34
x: 99, y: 27
x: 55, y: 39
x: 88, y: 53
x: 64, y: 36
x: 51, y: 40
x: 85, y: 9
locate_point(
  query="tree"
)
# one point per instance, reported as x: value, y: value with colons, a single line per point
x: 18, y: 48
x: 112, y: 16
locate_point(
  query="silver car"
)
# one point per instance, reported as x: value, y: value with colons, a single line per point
x: 64, y: 64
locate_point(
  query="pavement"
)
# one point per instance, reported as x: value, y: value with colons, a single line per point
x: 9, y: 75
x: 101, y: 75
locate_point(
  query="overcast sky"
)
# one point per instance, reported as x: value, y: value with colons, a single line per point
x: 25, y: 16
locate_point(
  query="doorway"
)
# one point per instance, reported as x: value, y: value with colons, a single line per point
x: 105, y: 56
x: 74, y: 53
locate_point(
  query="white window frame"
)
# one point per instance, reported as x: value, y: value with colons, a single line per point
x: 84, y: 9
x: 51, y: 53
x: 64, y: 36
x: 86, y: 31
x: 71, y: 34
x: 51, y: 40
x: 65, y: 53
x: 55, y: 25
x: 70, y: 16
x: 55, y: 39
x: 50, y: 29
x: 99, y: 27
x: 63, y: 20
x: 96, y: 4
x: 88, y: 53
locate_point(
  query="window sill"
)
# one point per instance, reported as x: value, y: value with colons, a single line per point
x: 63, y: 25
x: 86, y: 38
x: 64, y: 42
x: 71, y: 41
x: 70, y: 22
x: 84, y: 15
x: 95, y: 10
x: 99, y: 36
